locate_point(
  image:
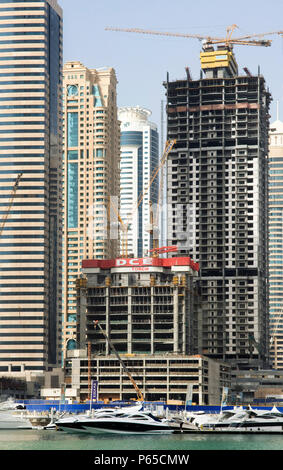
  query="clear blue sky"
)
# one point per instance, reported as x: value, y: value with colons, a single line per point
x: 142, y: 62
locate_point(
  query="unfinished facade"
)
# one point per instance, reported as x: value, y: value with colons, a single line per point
x: 161, y: 378
x: 145, y: 305
x: 218, y: 177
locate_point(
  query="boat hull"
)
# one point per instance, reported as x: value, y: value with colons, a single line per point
x: 255, y: 428
x: 10, y: 421
x: 121, y: 428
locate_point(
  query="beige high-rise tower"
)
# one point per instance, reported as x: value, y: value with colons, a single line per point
x: 91, y: 177
x: 30, y: 146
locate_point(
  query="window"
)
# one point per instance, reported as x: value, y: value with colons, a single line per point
x: 72, y: 129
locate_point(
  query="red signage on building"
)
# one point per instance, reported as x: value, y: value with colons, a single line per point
x: 131, y: 262
x: 140, y: 262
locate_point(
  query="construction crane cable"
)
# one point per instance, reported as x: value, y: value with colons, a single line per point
x: 14, y: 190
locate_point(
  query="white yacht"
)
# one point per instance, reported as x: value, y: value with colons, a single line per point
x: 13, y: 416
x: 241, y: 421
x: 132, y: 420
x: 11, y: 404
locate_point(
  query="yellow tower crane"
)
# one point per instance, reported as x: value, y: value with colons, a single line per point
x: 14, y: 190
x: 210, y: 58
x: 228, y: 41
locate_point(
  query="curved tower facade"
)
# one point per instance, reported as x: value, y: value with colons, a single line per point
x: 139, y: 160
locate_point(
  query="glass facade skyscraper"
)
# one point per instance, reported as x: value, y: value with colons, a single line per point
x: 30, y: 145
x: 139, y: 161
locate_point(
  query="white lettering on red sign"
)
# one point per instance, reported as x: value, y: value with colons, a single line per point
x: 121, y: 262
x: 134, y: 262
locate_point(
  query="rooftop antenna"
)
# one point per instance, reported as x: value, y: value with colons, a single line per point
x: 277, y: 110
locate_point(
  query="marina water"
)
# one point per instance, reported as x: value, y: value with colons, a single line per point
x: 48, y: 440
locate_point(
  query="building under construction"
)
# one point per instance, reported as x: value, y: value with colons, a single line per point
x: 145, y: 305
x: 147, y: 309
x: 218, y: 177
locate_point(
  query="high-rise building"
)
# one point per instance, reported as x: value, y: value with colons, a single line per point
x: 139, y: 160
x: 91, y: 176
x: 218, y: 201
x: 30, y: 146
x: 276, y: 243
x: 146, y: 307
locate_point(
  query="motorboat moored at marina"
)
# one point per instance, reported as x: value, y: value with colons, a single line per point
x: 240, y: 420
x: 11, y: 404
x: 13, y: 415
x: 131, y: 420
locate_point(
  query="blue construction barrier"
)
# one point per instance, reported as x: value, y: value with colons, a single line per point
x: 75, y: 407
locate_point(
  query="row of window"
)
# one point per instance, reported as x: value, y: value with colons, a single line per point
x: 23, y: 98
x: 19, y: 17
x: 25, y: 32
x: 21, y: 115
x: 31, y: 294
x: 23, y: 25
x: 24, y: 49
x: 20, y: 147
x: 24, y: 57
x: 21, y: 90
x: 24, y: 66
x: 38, y: 8
x: 23, y: 41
